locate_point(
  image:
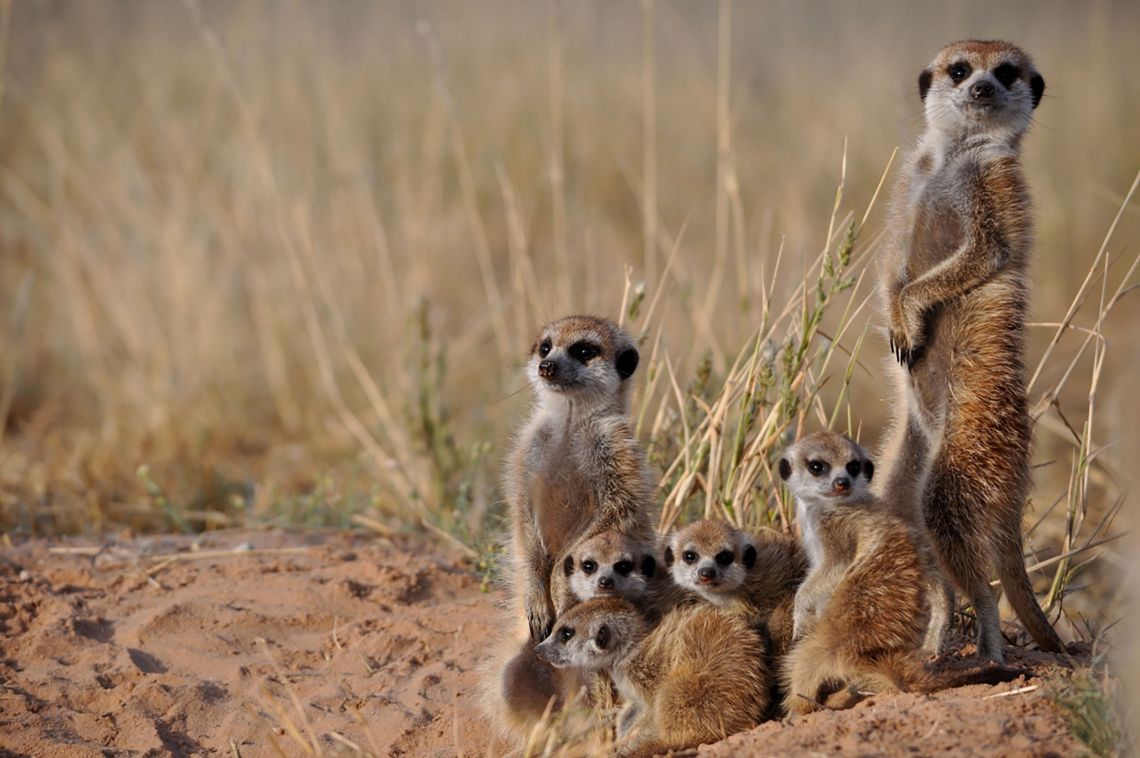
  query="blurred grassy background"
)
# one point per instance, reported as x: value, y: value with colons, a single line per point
x: 280, y: 262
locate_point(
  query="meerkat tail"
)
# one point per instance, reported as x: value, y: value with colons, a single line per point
x: 1019, y: 590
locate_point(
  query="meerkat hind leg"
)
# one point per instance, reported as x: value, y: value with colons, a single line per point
x: 964, y: 554
x: 942, y: 602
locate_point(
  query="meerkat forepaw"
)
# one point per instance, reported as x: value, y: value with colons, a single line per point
x: 541, y: 622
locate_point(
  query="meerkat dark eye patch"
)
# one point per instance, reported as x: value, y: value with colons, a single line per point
x: 668, y: 557
x: 868, y: 470
x: 924, y: 80
x: 749, y: 557
x: 1007, y: 74
x: 1037, y: 86
x: 602, y: 638
x: 853, y: 468
x: 626, y: 362
x: 589, y: 566
x: 817, y: 468
x: 649, y: 565
x: 568, y: 565
x: 544, y: 348
x: 624, y: 567
x: 565, y: 634
x: 959, y: 71
x: 785, y: 469
x: 725, y: 558
x: 689, y: 556
x: 584, y: 351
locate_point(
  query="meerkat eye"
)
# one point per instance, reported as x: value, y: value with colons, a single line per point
x: 565, y: 634
x: 623, y: 567
x: 853, y: 468
x: 817, y: 468
x: 544, y: 349
x: 1007, y: 74
x: 725, y: 558
x: 959, y: 71
x: 583, y: 351
x: 689, y: 556
x: 589, y: 566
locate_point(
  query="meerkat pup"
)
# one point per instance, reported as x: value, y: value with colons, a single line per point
x: 955, y: 291
x: 610, y: 564
x: 861, y: 613
x: 691, y: 679
x: 755, y: 575
x: 574, y: 473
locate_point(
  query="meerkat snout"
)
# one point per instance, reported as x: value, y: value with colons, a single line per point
x: 979, y: 86
x: 609, y: 564
x: 711, y: 558
x: 584, y: 356
x: 827, y: 466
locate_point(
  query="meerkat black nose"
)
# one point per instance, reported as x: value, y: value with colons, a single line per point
x: 982, y: 90
x: 841, y: 484
x: 547, y: 369
x: 606, y: 582
x: 706, y: 572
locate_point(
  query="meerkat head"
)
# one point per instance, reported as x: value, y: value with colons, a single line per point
x: 582, y: 357
x: 977, y: 87
x: 593, y: 635
x: 711, y: 558
x: 609, y: 565
x: 825, y: 470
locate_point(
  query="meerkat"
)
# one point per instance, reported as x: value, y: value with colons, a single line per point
x: 575, y: 471
x: 955, y: 290
x: 690, y: 679
x: 861, y: 612
x: 610, y: 564
x: 753, y: 574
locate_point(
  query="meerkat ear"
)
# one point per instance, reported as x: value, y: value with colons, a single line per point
x: 648, y: 566
x: 602, y: 638
x: 1037, y: 85
x: 626, y: 362
x: 668, y: 557
x: 568, y: 565
x: 785, y: 469
x: 924, y: 80
x: 749, y: 557
x: 868, y: 470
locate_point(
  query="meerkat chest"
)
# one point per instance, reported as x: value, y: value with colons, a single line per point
x: 809, y: 535
x: 937, y: 220
x: 559, y: 490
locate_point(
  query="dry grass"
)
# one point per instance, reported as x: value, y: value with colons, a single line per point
x: 279, y: 263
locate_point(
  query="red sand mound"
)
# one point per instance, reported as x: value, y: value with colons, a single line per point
x: 339, y: 640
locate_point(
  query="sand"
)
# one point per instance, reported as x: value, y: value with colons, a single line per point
x: 257, y: 643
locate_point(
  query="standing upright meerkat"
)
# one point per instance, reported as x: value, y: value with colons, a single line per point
x: 574, y: 473
x: 861, y: 613
x: 955, y: 290
x: 755, y: 575
x: 692, y: 678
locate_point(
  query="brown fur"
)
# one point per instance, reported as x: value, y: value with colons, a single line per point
x: 691, y: 679
x: 863, y: 609
x: 574, y: 472
x: 766, y: 593
x: 955, y: 283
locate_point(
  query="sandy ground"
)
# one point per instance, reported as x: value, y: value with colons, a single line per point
x: 256, y: 643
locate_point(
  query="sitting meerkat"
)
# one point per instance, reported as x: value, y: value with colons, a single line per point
x: 862, y: 611
x: 575, y: 471
x: 691, y: 679
x: 755, y: 575
x: 610, y: 564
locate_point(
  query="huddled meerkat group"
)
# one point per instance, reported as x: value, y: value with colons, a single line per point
x: 689, y: 637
